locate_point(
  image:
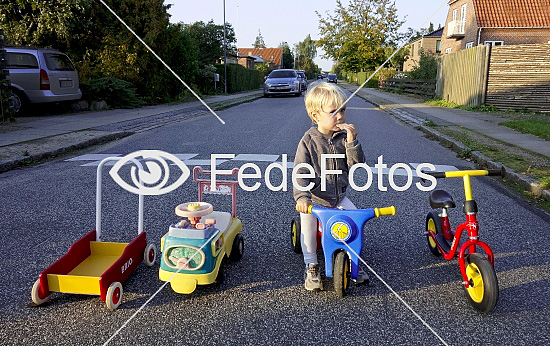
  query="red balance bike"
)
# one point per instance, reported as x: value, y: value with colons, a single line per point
x: 477, y: 269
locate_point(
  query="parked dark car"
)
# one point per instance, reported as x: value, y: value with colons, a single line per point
x: 320, y: 76
x: 284, y: 81
x: 332, y: 78
x: 39, y: 75
x: 303, y: 80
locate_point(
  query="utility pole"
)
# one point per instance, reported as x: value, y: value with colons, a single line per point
x: 224, y: 53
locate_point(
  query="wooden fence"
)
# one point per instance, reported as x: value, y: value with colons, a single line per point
x: 462, y: 76
x: 421, y: 87
x: 519, y: 77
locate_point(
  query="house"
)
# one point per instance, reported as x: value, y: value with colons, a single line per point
x: 495, y: 22
x: 271, y: 55
x: 431, y: 43
x: 246, y: 61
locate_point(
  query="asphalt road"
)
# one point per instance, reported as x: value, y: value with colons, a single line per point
x: 262, y: 300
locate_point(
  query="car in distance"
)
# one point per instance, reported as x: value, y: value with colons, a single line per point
x: 40, y: 75
x: 303, y: 80
x: 320, y: 76
x: 332, y: 78
x: 283, y: 81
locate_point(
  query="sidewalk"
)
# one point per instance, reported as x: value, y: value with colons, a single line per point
x: 414, y: 113
x: 34, y: 139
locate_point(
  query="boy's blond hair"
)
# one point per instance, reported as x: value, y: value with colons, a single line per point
x: 323, y: 94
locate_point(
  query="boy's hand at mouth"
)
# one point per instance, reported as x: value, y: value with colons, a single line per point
x: 350, y: 129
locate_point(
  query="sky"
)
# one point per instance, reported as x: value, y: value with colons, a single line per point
x: 291, y: 20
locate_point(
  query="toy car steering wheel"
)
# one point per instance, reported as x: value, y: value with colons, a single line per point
x: 194, y: 209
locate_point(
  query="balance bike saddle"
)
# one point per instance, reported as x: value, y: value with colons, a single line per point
x: 441, y: 199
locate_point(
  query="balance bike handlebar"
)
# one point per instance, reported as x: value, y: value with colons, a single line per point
x: 460, y: 174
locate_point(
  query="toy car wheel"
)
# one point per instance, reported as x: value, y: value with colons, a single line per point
x: 149, y: 255
x: 35, y: 296
x: 219, y: 277
x: 237, y: 248
x: 482, y: 292
x: 341, y: 273
x: 295, y: 235
x: 433, y: 224
x: 114, y: 296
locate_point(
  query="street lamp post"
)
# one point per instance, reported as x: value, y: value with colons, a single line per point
x: 224, y: 53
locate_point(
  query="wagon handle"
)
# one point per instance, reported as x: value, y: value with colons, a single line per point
x: 99, y: 193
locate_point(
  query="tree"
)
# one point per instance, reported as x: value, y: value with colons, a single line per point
x: 288, y: 57
x: 208, y: 41
x: 259, y: 43
x: 305, y: 51
x: 357, y: 35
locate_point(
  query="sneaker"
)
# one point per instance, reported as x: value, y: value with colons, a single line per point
x: 313, y: 278
x: 362, y: 277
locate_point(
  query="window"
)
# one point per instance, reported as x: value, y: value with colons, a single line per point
x: 58, y: 62
x: 469, y: 45
x: 21, y: 60
x: 272, y: 57
x: 448, y: 50
x: 462, y: 18
x: 455, y: 14
x: 494, y: 43
x: 438, y: 46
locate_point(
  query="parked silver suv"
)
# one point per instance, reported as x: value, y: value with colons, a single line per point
x: 40, y: 75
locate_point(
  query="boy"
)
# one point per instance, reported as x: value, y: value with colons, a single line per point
x: 331, y: 136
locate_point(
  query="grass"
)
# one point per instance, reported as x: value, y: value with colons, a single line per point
x: 522, y: 120
x: 538, y: 125
x: 517, y: 159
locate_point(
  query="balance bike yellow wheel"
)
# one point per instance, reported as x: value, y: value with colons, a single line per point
x: 433, y: 224
x: 482, y: 292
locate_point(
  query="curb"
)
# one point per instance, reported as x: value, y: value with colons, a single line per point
x: 481, y: 160
x: 18, y: 161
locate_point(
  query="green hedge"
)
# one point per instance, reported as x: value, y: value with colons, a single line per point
x: 239, y: 78
x: 360, y: 77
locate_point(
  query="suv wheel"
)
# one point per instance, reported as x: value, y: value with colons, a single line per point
x: 18, y: 102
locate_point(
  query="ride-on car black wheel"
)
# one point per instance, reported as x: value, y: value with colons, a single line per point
x: 295, y: 235
x: 342, y: 273
x: 237, y: 248
x: 482, y: 292
x: 220, y: 277
x: 433, y: 223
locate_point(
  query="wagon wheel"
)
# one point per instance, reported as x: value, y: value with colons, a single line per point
x: 35, y: 296
x: 114, y: 295
x: 149, y: 255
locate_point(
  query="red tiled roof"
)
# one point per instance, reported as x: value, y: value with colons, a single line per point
x: 266, y: 53
x: 512, y: 13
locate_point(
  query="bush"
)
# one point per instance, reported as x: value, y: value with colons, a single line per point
x: 116, y: 92
x: 426, y: 68
x: 240, y: 78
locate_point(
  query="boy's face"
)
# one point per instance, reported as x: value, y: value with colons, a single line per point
x: 326, y: 122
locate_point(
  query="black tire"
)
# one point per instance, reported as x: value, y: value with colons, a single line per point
x: 237, y: 248
x: 18, y: 102
x: 483, y: 291
x: 433, y: 223
x: 295, y: 235
x: 220, y: 277
x: 341, y: 269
